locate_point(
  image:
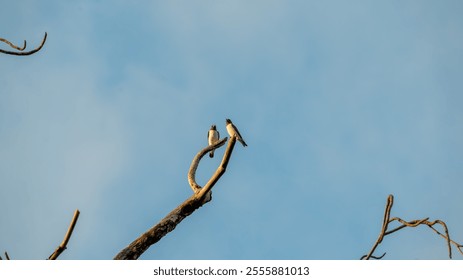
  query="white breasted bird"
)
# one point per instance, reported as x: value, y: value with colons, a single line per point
x: 212, y: 137
x: 232, y: 130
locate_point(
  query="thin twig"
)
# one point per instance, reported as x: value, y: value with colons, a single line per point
x: 387, y: 214
x: 201, y: 196
x: 7, y: 256
x: 459, y: 246
x: 426, y: 221
x: 20, y: 53
x: 447, y: 235
x: 63, y: 244
x: 405, y: 224
x: 374, y: 257
x: 13, y: 45
x: 413, y: 223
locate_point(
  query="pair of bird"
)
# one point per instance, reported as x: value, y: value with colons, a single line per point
x: 213, y: 135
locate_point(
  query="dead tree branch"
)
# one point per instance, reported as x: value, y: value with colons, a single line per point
x: 414, y: 223
x: 387, y: 214
x: 65, y: 241
x: 200, y: 197
x: 20, y: 51
x: 195, y: 163
x: 12, y: 45
x: 63, y: 244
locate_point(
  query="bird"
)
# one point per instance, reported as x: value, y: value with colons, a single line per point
x: 212, y: 137
x: 232, y: 130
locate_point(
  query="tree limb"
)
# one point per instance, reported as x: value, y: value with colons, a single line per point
x: 63, y: 244
x: 194, y: 164
x: 414, y: 223
x: 200, y: 197
x: 12, y: 45
x: 387, y: 214
x: 459, y: 246
x: 21, y: 53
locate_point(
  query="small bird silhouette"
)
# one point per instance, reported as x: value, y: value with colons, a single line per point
x: 212, y: 137
x: 232, y: 130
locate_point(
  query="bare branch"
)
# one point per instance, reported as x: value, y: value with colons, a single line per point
x: 63, y: 244
x: 12, y: 45
x: 21, y: 53
x: 413, y: 223
x: 201, y: 196
x: 459, y: 246
x: 387, y: 214
x: 221, y: 169
x: 194, y: 164
x: 447, y: 235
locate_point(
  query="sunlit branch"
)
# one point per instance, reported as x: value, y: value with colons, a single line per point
x: 200, y: 197
x: 65, y: 241
x: 414, y: 223
x: 21, y: 51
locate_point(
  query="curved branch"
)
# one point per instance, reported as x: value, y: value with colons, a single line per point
x: 413, y: 223
x: 21, y: 49
x: 12, y: 45
x: 447, y: 237
x: 374, y: 257
x: 65, y: 241
x: 194, y: 164
x: 220, y: 170
x: 201, y: 196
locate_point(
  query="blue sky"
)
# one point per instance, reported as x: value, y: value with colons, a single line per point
x: 341, y: 104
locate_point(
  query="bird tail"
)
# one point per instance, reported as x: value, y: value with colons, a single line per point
x: 242, y: 142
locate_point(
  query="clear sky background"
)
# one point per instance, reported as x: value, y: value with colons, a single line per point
x: 341, y: 103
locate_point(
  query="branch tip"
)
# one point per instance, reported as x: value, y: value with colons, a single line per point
x: 63, y: 245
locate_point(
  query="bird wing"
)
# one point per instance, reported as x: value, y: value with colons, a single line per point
x: 237, y: 131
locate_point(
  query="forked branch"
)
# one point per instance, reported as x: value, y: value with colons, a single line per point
x: 200, y: 197
x: 21, y: 51
x: 414, y: 223
x: 195, y: 163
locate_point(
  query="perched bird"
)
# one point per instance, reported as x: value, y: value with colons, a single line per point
x: 212, y: 137
x: 232, y: 130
